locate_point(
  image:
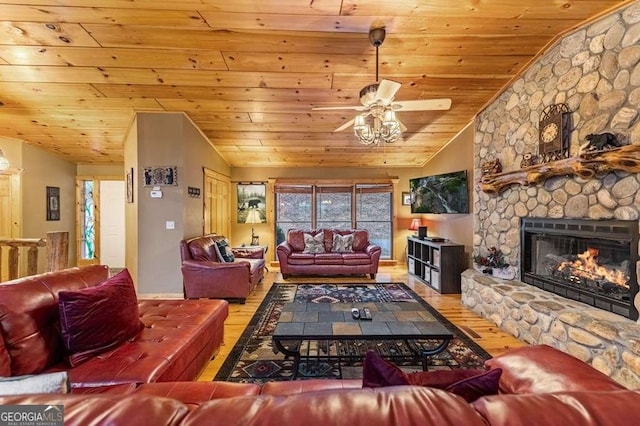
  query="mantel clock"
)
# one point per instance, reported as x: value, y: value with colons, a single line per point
x: 555, y: 133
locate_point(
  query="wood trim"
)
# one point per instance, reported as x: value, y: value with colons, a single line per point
x: 328, y: 182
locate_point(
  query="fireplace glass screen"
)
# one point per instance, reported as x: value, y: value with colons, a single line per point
x: 595, y: 266
x: 590, y: 261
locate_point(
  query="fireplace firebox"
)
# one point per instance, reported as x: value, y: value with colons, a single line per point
x: 591, y: 261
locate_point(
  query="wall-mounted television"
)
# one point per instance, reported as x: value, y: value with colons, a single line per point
x: 445, y: 193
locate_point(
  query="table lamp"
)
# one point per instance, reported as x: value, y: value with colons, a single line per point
x: 252, y: 218
x: 415, y: 224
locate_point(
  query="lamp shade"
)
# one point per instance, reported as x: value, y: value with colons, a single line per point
x: 415, y: 224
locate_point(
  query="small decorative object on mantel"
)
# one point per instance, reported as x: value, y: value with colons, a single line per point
x: 528, y: 159
x: 494, y: 263
x: 491, y: 167
x: 600, y: 142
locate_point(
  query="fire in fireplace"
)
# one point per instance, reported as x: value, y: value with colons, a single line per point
x: 590, y: 261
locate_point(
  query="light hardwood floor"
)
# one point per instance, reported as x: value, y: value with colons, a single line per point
x: 483, y: 332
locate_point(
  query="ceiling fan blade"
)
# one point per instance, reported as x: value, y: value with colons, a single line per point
x: 355, y: 107
x: 387, y: 89
x: 345, y: 125
x: 423, y: 105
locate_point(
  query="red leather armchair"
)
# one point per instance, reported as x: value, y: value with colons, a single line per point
x: 206, y: 275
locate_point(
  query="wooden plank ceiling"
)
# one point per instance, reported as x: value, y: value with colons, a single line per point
x: 248, y: 72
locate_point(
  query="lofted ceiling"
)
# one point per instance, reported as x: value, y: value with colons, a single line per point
x: 248, y: 72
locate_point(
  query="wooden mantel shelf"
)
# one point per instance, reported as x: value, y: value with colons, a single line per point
x: 586, y: 165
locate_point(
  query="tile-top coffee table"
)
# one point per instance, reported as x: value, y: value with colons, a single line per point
x: 321, y: 323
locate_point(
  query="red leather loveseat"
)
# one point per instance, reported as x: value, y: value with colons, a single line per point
x: 363, y: 258
x: 206, y: 275
x: 538, y: 385
x: 176, y: 341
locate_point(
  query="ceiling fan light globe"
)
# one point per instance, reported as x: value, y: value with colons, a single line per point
x: 389, y: 118
x: 359, y: 122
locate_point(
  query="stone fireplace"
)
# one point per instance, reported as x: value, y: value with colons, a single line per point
x: 595, y: 71
x: 593, y: 262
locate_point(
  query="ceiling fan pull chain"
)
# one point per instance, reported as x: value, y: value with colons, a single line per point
x: 376, y: 64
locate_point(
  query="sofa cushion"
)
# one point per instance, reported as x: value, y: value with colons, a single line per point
x: 360, y: 240
x: 224, y: 252
x: 314, y: 244
x: 36, y: 383
x: 5, y: 360
x: 543, y: 369
x: 357, y: 258
x: 204, y: 249
x: 29, y: 319
x: 342, y: 243
x: 295, y: 238
x: 406, y: 405
x: 563, y: 408
x: 299, y: 258
x: 30, y: 350
x: 329, y: 259
x: 96, y: 319
x: 378, y: 372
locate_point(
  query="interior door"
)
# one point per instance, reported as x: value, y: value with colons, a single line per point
x: 9, y: 216
x: 217, y: 204
x: 112, y: 242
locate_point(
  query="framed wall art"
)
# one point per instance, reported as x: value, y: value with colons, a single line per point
x: 130, y: 186
x: 161, y: 176
x: 53, y: 203
x: 406, y: 198
x: 252, y: 203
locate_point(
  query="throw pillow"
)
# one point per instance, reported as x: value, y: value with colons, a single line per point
x: 342, y: 243
x: 469, y: 384
x: 314, y: 245
x: 96, y: 319
x: 474, y: 387
x: 378, y: 372
x: 226, y: 254
x: 41, y: 383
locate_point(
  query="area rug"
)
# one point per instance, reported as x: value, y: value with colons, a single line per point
x: 253, y: 359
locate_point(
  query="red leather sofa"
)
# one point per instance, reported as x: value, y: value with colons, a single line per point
x: 179, y: 337
x: 363, y: 260
x: 205, y: 275
x: 539, y: 385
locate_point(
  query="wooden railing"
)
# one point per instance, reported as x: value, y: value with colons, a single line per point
x: 57, y: 250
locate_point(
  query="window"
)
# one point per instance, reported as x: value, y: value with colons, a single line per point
x: 293, y: 210
x: 373, y: 213
x: 360, y: 206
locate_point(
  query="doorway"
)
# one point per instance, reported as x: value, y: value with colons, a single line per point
x: 9, y: 215
x: 100, y: 221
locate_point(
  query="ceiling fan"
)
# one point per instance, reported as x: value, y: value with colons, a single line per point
x: 379, y: 106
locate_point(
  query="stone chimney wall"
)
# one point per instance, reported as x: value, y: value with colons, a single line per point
x: 595, y: 70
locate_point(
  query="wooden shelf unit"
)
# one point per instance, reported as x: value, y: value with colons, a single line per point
x: 437, y: 264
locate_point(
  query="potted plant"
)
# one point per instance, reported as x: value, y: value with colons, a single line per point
x: 494, y: 263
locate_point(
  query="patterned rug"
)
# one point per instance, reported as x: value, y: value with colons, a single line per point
x: 253, y: 359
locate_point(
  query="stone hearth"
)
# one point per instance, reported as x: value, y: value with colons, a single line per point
x: 609, y: 342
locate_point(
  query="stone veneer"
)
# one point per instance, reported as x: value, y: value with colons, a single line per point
x: 609, y: 342
x: 595, y: 70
